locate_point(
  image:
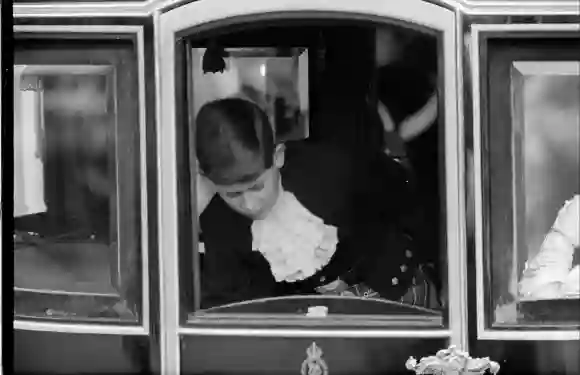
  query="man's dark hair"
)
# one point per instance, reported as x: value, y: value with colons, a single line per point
x: 230, y: 132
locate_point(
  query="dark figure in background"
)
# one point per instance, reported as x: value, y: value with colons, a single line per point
x: 406, y: 88
x: 340, y: 108
x: 299, y: 218
x: 364, y: 73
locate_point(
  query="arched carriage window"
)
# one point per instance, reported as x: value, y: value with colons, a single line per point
x: 371, y: 88
x: 355, y: 105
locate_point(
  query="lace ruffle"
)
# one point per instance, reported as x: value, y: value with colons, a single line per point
x: 294, y: 241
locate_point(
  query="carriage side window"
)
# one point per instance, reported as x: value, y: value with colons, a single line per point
x: 317, y: 171
x: 534, y: 211
x: 77, y: 248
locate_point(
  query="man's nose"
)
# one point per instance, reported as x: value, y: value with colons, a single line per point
x: 250, y: 202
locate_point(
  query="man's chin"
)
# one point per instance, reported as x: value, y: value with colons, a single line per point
x: 260, y: 215
x: 257, y: 216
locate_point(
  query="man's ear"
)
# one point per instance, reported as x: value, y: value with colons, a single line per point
x: 279, y: 156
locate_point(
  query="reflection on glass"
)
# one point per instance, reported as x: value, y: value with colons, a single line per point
x: 318, y: 210
x: 66, y: 259
x: 278, y: 83
x: 545, y: 274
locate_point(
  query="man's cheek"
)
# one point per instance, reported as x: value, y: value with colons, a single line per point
x: 232, y: 202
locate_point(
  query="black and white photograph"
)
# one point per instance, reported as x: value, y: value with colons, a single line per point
x: 277, y: 187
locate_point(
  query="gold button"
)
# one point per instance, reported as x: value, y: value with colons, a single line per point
x: 395, y: 281
x: 403, y: 267
x: 408, y: 253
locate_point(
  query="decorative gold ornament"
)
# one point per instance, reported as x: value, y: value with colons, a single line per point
x: 314, y: 364
x: 452, y: 361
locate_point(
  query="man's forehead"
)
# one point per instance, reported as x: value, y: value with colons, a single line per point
x: 245, y: 169
x: 241, y: 178
x: 242, y: 184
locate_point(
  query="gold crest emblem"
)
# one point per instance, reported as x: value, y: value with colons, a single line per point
x: 314, y: 364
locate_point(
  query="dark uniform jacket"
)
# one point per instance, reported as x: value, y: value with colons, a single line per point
x: 368, y: 199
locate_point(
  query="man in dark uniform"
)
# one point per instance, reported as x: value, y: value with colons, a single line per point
x: 243, y: 177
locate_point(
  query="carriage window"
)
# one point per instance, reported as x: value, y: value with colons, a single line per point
x: 76, y: 190
x: 317, y: 172
x: 535, y: 270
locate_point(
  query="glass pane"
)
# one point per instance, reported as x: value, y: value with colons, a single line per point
x: 546, y: 146
x: 318, y: 172
x: 76, y: 202
x: 278, y: 83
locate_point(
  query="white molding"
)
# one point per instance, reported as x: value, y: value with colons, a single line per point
x: 523, y: 28
x: 483, y: 332
x: 529, y: 335
x: 329, y: 333
x: 457, y: 260
x: 64, y: 293
x: 167, y: 203
x: 84, y: 29
x: 548, y: 68
x: 478, y: 180
x: 149, y: 7
x: 64, y: 69
x: 140, y: 41
x: 145, y: 269
x: 82, y: 9
x: 521, y: 7
x: 99, y: 329
x: 206, y: 11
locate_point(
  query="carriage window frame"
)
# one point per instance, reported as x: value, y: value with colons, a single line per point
x: 254, y: 317
x: 120, y: 54
x: 186, y: 241
x: 492, y: 102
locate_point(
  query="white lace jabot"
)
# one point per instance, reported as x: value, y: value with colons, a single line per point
x: 295, y: 242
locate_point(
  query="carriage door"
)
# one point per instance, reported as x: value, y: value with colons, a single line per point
x: 315, y: 68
